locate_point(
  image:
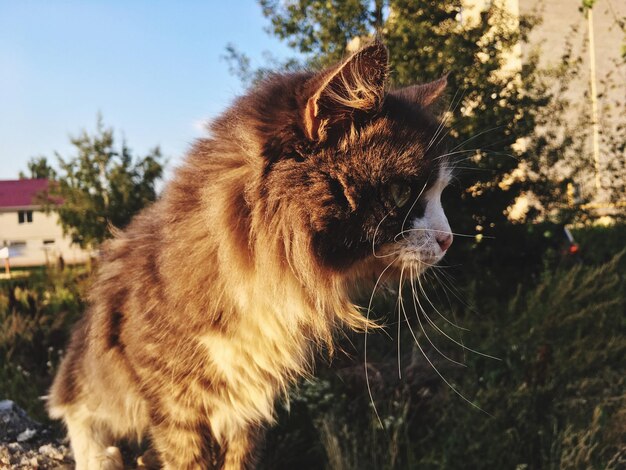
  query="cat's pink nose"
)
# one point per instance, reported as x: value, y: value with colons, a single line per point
x: 444, y: 240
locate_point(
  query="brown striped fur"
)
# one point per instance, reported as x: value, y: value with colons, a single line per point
x: 216, y: 298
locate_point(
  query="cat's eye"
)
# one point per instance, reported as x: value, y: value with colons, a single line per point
x: 401, y: 193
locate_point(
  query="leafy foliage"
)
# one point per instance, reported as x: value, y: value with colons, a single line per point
x: 39, y: 168
x: 101, y: 187
x: 323, y: 29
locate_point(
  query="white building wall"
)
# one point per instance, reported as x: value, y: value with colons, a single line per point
x: 559, y: 17
x: 26, y: 240
x: 551, y: 35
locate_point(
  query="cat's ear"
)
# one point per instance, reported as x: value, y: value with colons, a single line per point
x: 427, y: 94
x: 337, y: 96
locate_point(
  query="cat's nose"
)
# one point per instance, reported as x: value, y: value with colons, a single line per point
x: 444, y: 240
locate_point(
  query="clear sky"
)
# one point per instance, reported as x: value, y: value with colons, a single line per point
x: 154, y: 69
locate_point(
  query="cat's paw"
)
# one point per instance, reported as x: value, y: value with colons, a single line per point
x: 112, y: 459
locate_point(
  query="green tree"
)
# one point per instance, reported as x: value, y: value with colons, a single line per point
x: 38, y: 168
x: 101, y: 187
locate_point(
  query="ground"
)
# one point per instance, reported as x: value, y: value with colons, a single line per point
x: 26, y: 444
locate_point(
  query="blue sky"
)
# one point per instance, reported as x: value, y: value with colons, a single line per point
x: 152, y: 68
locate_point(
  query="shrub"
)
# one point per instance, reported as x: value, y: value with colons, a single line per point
x: 35, y: 318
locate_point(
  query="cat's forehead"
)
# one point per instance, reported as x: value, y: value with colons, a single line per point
x: 390, y: 147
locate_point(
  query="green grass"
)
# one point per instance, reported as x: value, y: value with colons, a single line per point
x: 36, y: 314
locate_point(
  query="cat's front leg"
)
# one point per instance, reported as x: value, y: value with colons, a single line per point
x: 91, y: 444
x: 242, y: 450
x: 186, y: 445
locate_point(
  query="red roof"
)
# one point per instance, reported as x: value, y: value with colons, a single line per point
x: 20, y: 193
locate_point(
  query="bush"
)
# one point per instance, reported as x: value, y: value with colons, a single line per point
x: 36, y: 314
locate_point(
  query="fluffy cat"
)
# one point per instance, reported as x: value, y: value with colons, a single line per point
x: 216, y: 298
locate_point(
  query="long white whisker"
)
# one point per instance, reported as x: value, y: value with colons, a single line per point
x: 374, y: 237
x: 477, y: 135
x: 450, y: 281
x: 452, y: 288
x: 434, y: 325
x: 443, y: 283
x: 438, y: 312
x: 399, y: 303
x: 444, y: 287
x: 440, y: 375
x: 369, y: 309
x: 412, y: 206
x: 445, y: 292
x: 423, y: 310
x: 449, y: 154
x: 467, y: 168
x: 445, y: 120
x: 419, y: 320
x: 447, y: 232
x: 485, y: 150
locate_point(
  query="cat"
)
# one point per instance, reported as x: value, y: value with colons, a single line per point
x: 215, y: 299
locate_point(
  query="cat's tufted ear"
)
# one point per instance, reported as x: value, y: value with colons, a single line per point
x: 337, y: 96
x: 426, y: 94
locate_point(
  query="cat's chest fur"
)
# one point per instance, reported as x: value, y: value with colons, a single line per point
x: 255, y: 361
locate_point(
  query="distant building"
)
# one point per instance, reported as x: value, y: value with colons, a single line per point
x: 32, y: 236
